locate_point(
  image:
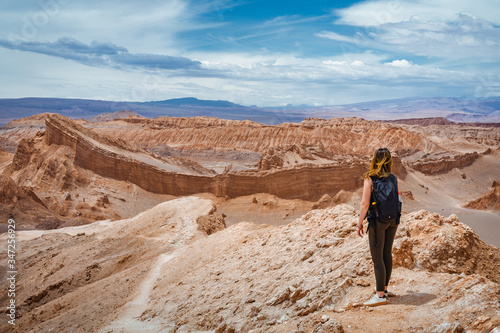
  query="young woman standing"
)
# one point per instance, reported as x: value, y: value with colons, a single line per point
x: 380, y: 234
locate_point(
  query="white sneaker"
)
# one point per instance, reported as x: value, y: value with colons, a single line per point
x: 375, y: 300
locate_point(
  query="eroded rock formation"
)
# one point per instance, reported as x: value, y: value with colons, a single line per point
x: 25, y: 207
x: 339, y: 136
x: 291, y: 161
x: 311, y: 275
x: 104, y: 117
x: 434, y: 166
x: 175, y: 176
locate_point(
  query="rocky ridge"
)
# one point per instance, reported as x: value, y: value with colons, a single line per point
x: 175, y: 176
x: 340, y: 136
x: 441, y: 145
x: 308, y: 276
x: 22, y: 204
x: 428, y: 149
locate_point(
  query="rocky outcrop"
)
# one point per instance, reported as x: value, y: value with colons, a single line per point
x: 439, y: 165
x: 324, y: 202
x: 10, y: 193
x: 5, y: 156
x: 443, y: 244
x: 277, y: 157
x: 18, y: 129
x: 311, y: 275
x: 211, y: 222
x: 51, y: 173
x: 342, y: 197
x: 24, y: 206
x: 488, y: 201
x: 22, y: 154
x: 270, y: 160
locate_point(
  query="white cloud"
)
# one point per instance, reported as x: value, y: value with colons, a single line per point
x: 323, y: 81
x: 335, y: 36
x: 379, y: 12
x: 467, y: 37
x: 145, y: 26
x: 400, y: 63
x: 442, y: 29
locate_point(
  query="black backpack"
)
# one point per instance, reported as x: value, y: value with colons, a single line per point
x: 385, y: 205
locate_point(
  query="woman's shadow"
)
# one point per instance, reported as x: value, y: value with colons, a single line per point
x: 412, y: 298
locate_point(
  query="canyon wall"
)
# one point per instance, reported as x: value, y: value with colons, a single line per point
x: 433, y: 166
x: 109, y: 159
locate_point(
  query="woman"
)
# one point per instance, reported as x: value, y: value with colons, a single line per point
x: 380, y: 234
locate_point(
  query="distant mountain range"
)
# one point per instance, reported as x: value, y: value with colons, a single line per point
x: 191, y: 101
x: 182, y: 107
x: 453, y: 109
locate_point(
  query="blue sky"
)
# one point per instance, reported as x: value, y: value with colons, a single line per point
x: 265, y: 53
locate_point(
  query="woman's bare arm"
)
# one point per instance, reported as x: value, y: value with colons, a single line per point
x: 365, y: 204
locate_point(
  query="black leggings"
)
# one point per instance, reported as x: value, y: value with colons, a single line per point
x: 382, y: 254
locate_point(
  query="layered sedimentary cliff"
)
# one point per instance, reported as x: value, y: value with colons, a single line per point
x: 439, y: 165
x: 116, y: 160
x: 431, y: 150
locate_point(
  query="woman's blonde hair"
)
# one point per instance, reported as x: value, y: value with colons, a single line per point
x: 381, y: 164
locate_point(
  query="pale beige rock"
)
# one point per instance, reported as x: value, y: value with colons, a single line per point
x: 342, y: 197
x: 160, y: 272
x: 323, y: 202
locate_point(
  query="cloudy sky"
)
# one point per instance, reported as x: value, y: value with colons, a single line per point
x: 251, y: 52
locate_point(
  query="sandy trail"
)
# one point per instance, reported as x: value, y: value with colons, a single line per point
x: 130, y: 320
